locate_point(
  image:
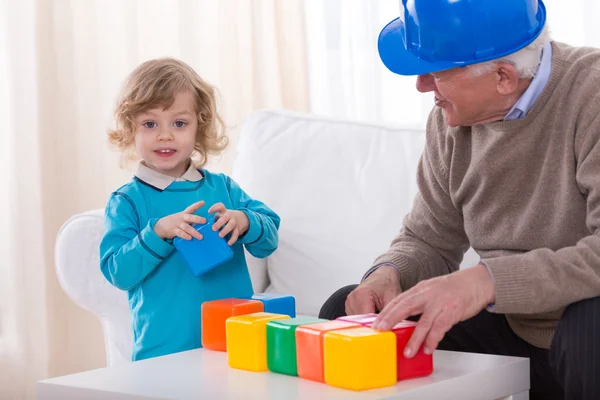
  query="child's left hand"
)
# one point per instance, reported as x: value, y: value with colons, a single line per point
x: 233, y: 221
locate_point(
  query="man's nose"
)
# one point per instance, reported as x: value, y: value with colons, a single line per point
x: 425, y: 83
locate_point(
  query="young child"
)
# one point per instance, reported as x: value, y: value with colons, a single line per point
x: 167, y: 113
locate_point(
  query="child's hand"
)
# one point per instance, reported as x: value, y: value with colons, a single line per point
x: 232, y: 221
x: 180, y: 224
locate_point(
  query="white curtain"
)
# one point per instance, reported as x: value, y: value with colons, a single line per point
x: 61, y: 65
x: 348, y: 80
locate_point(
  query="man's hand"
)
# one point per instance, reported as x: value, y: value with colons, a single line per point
x: 232, y: 221
x: 375, y: 292
x: 442, y: 302
x: 180, y: 224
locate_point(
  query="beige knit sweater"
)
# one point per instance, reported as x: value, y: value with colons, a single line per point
x: 525, y: 194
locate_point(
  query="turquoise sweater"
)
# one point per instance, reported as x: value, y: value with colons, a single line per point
x: 164, y: 296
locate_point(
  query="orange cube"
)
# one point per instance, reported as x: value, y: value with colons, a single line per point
x: 309, y: 347
x: 214, y: 315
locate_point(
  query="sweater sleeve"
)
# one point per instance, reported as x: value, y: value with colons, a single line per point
x: 432, y: 241
x: 128, y: 254
x: 262, y: 238
x: 535, y: 282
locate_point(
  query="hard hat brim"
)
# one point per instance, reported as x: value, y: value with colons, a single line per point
x: 398, y: 59
x: 401, y: 61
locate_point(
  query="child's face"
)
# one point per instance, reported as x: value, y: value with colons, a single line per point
x: 165, y: 139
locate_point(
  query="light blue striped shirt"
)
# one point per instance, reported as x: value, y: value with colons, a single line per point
x: 535, y: 89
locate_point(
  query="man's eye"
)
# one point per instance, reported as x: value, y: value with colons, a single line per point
x: 149, y: 124
x: 180, y: 124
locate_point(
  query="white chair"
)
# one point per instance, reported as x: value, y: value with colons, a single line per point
x: 341, y: 189
x: 77, y: 261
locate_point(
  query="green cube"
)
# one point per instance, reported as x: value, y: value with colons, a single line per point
x: 281, y: 344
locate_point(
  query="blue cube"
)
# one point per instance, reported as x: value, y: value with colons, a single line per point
x: 277, y: 303
x: 204, y: 255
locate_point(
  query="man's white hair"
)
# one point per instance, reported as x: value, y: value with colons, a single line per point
x: 526, y: 61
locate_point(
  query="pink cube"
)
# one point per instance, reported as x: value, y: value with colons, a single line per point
x: 363, y: 319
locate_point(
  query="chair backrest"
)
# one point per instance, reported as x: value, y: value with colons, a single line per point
x: 78, y: 269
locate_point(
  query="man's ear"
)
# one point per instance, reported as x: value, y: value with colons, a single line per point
x: 507, y: 78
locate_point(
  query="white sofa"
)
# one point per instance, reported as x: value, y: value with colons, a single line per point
x: 341, y: 189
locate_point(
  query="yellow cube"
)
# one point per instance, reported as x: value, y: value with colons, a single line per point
x: 359, y: 358
x: 246, y: 337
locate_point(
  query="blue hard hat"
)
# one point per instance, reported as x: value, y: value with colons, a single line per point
x: 435, y: 35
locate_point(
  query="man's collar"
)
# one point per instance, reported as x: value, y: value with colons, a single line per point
x: 536, y: 87
x: 162, y: 181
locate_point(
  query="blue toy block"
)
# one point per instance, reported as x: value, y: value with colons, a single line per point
x: 204, y: 255
x: 277, y: 303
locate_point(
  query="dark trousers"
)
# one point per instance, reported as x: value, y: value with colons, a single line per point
x: 569, y: 370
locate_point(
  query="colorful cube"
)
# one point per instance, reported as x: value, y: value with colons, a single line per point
x: 281, y: 344
x: 421, y: 364
x: 363, y: 319
x: 214, y: 315
x: 277, y: 303
x: 247, y: 340
x: 309, y: 347
x: 360, y: 358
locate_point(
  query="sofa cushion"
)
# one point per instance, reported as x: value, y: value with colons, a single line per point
x: 341, y: 189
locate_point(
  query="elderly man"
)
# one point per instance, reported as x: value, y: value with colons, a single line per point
x: 511, y: 167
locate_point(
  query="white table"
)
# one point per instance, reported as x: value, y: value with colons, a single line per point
x: 205, y: 374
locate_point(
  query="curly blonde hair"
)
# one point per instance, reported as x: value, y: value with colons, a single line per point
x: 154, y: 84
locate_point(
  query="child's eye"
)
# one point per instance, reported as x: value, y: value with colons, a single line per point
x: 149, y: 124
x: 180, y: 124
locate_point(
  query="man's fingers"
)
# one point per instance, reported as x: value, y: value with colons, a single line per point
x: 405, y: 305
x: 194, y: 207
x: 438, y: 330
x: 422, y: 330
x: 216, y: 207
x: 389, y: 307
x: 360, y: 301
x: 448, y: 317
x: 363, y: 308
x: 385, y: 314
x: 417, y: 338
x: 388, y: 297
